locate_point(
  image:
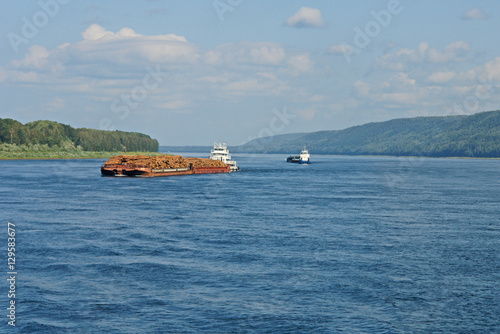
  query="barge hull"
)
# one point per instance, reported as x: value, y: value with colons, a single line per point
x: 134, y: 171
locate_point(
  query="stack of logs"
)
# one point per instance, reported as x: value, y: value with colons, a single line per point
x: 163, y: 161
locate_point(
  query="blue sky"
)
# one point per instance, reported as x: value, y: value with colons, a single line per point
x: 194, y: 72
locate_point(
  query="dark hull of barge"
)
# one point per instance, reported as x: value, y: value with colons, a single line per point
x: 142, y: 171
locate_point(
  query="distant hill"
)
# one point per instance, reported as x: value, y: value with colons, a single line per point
x: 61, y: 135
x: 476, y: 135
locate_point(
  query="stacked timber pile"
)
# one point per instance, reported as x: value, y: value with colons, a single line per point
x: 163, y: 161
x: 198, y: 162
x: 128, y: 159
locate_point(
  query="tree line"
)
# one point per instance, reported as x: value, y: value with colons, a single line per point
x: 476, y: 135
x: 56, y: 134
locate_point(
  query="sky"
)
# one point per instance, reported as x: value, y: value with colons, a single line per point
x: 195, y: 72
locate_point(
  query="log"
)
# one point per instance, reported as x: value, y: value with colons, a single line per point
x: 164, y: 161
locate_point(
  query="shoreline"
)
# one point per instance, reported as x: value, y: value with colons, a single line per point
x: 108, y: 155
x: 374, y: 156
x: 412, y: 156
x: 90, y: 155
x: 380, y: 156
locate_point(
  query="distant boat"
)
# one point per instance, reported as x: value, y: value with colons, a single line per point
x: 220, y: 152
x: 303, y: 158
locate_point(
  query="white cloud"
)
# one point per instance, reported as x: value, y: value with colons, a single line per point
x: 174, y: 105
x: 401, y: 79
x: 441, y: 77
x: 300, y: 64
x: 340, y: 48
x: 307, y: 113
x: 362, y: 88
x: 251, y: 84
x: 96, y: 32
x: 263, y: 53
x: 398, y: 90
x: 268, y: 75
x: 36, y: 57
x: 318, y: 98
x: 261, y: 85
x: 452, y: 49
x: 126, y: 47
x: 401, y: 59
x: 56, y: 104
x: 424, y: 91
x: 400, y: 97
x: 306, y: 17
x: 19, y: 76
x: 491, y: 70
x: 484, y: 75
x: 487, y: 75
x: 106, y: 66
x: 213, y: 79
x: 475, y: 14
x: 343, y: 105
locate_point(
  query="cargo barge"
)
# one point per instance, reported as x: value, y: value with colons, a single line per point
x: 147, y: 166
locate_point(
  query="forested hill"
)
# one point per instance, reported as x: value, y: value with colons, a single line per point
x: 56, y: 134
x: 476, y: 135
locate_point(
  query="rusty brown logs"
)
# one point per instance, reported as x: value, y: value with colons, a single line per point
x: 163, y: 161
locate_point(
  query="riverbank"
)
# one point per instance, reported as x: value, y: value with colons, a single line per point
x: 64, y: 156
x: 15, y: 152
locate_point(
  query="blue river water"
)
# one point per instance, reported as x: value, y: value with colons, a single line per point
x: 343, y: 245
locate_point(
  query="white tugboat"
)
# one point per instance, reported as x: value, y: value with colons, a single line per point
x: 303, y: 158
x: 220, y: 152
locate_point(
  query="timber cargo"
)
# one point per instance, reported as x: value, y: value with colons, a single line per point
x: 164, y: 165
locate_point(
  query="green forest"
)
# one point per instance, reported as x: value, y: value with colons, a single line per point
x: 40, y: 136
x: 476, y: 135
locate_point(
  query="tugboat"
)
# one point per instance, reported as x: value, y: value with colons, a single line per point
x: 220, y: 152
x: 303, y: 158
